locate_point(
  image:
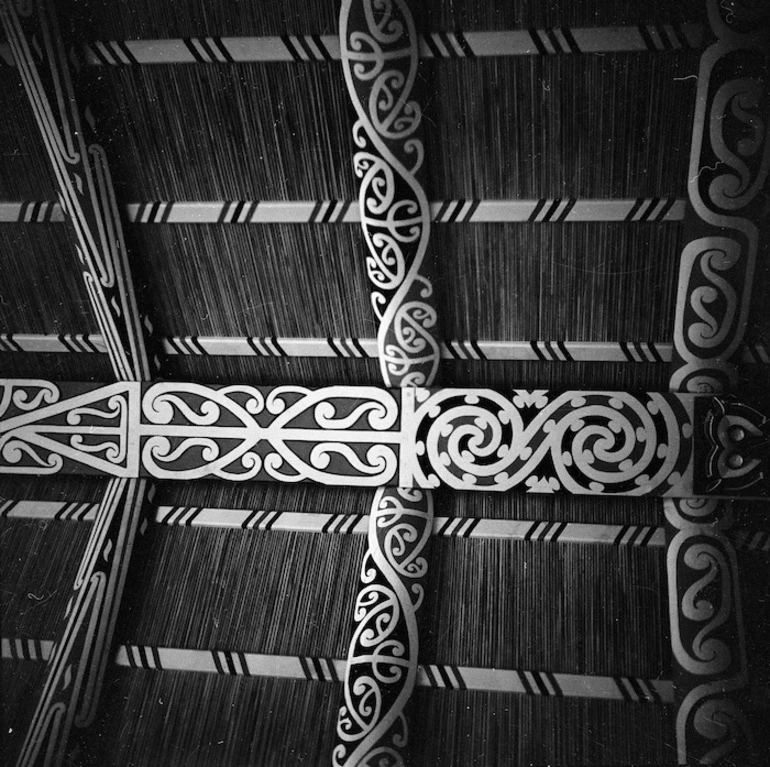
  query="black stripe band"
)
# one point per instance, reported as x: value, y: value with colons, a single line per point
x: 188, y: 41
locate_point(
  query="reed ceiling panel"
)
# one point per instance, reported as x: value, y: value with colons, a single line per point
x: 476, y: 729
x: 272, y: 496
x: 55, y: 487
x: 612, y: 125
x: 57, y: 367
x: 274, y: 371
x: 22, y: 684
x: 271, y: 280
x: 41, y: 285
x: 38, y: 563
x: 278, y: 131
x: 507, y: 374
x: 147, y: 719
x: 570, y: 281
x: 550, y: 508
x: 246, y: 590
x: 515, y: 604
x: 25, y: 173
x: 103, y: 19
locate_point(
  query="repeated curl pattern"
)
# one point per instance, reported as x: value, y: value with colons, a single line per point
x: 582, y: 442
x: 379, y: 57
x: 40, y: 430
x: 706, y: 631
x: 729, y: 164
x: 382, y: 660
x: 333, y: 435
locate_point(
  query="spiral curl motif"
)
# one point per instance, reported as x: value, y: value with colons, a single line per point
x: 379, y: 57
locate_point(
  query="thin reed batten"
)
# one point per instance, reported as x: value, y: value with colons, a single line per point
x: 617, y: 626
x: 472, y: 727
x: 640, y: 210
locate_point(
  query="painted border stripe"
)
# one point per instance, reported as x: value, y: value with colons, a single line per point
x: 548, y: 351
x: 454, y: 44
x: 357, y: 524
x: 347, y: 212
x: 226, y: 662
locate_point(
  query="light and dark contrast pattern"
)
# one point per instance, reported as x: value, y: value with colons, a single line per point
x: 379, y: 59
x: 79, y: 658
x: 449, y: 45
x: 589, y: 442
x: 457, y: 349
x: 382, y: 659
x: 706, y: 634
x: 578, y: 442
x: 557, y: 210
x: 85, y: 186
x: 729, y: 162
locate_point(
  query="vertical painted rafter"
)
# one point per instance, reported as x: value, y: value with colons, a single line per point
x: 379, y: 52
x: 79, y: 657
x: 729, y: 160
x: 83, y: 178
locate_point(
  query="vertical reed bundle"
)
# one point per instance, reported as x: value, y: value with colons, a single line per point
x: 618, y: 510
x: 578, y: 282
x: 271, y: 496
x: 302, y: 371
x: 277, y: 279
x: 21, y: 683
x: 556, y: 607
x: 480, y: 729
x: 534, y: 127
x: 151, y: 718
x: 516, y: 374
x: 24, y: 170
x: 42, y: 288
x: 39, y: 561
x: 266, y: 592
x: 274, y: 131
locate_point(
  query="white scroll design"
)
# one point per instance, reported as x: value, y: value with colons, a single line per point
x: 581, y: 442
x: 379, y: 55
x: 40, y: 430
x: 332, y: 435
x: 382, y: 659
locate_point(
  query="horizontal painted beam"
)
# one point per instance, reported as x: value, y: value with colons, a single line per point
x: 228, y: 663
x: 582, y: 442
x: 454, y: 45
x: 351, y: 524
x: 557, y: 210
x: 256, y: 346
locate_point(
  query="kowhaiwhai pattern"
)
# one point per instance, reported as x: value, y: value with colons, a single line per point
x: 729, y: 162
x: 379, y: 56
x: 79, y: 658
x: 382, y: 660
x: 83, y: 179
x: 581, y: 442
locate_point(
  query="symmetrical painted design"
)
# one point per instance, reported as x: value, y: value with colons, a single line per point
x: 640, y: 210
x: 451, y: 44
x: 591, y: 442
x: 382, y: 659
x: 379, y: 58
x: 79, y: 658
x: 587, y: 442
x: 706, y: 634
x: 454, y: 349
x: 46, y: 428
x: 85, y: 186
x: 233, y: 663
x: 334, y: 435
x: 729, y: 162
x: 737, y: 449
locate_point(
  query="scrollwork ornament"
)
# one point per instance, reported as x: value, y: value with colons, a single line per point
x: 379, y: 56
x: 382, y: 659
